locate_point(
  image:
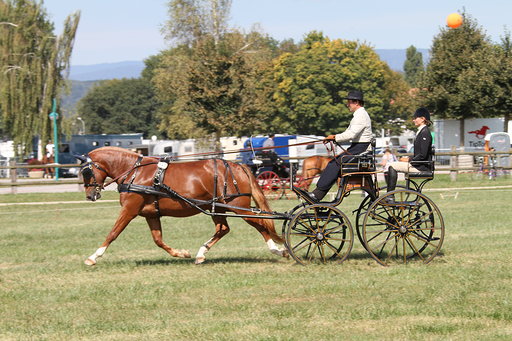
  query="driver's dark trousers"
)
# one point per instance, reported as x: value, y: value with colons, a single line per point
x: 332, y: 172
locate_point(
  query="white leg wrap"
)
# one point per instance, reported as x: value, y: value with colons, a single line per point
x: 98, y: 253
x: 202, y: 252
x: 273, y: 248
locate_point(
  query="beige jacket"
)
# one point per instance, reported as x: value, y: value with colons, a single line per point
x: 359, y: 130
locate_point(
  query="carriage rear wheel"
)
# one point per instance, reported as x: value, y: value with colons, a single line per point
x: 410, y: 228
x: 319, y: 234
x: 363, y: 209
x: 271, y: 184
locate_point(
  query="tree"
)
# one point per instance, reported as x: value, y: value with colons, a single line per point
x: 119, y: 106
x: 458, y: 82
x: 413, y: 66
x: 211, y: 82
x: 213, y: 88
x: 189, y: 20
x: 311, y: 85
x: 503, y: 79
x: 34, y: 62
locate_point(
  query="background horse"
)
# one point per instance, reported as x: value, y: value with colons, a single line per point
x: 194, y: 180
x: 48, y: 172
x: 311, y: 167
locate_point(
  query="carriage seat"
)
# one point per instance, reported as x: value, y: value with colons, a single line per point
x: 425, y: 174
x: 421, y: 175
x: 358, y: 163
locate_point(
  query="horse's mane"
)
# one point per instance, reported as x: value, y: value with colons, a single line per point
x: 115, y: 150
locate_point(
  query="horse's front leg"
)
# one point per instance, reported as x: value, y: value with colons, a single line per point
x: 125, y: 216
x: 156, y: 232
x: 221, y: 229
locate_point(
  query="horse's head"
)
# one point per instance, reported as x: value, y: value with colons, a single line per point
x: 93, y: 175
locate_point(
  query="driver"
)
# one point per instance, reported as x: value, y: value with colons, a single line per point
x: 359, y: 133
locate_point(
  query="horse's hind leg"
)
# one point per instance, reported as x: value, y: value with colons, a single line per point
x: 156, y: 231
x: 221, y: 229
x: 259, y: 224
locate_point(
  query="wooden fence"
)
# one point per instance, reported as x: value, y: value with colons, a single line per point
x: 454, y: 167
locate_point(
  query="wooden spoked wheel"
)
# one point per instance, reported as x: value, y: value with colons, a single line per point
x: 409, y: 228
x: 363, y: 209
x: 319, y: 234
x: 360, y: 214
x: 270, y: 184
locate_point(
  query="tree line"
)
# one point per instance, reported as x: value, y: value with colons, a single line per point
x: 215, y: 80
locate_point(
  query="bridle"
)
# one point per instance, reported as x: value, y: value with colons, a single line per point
x: 88, y: 173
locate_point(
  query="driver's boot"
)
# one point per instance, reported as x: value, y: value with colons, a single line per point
x: 392, y: 179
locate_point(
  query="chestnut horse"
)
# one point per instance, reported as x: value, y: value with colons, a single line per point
x: 311, y: 167
x: 48, y: 172
x: 190, y: 180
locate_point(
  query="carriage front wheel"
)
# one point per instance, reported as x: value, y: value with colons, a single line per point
x: 409, y: 228
x: 319, y: 234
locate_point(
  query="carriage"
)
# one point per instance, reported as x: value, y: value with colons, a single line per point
x: 274, y: 174
x: 271, y: 170
x: 411, y: 227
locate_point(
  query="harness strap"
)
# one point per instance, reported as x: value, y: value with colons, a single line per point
x: 135, y: 170
x: 230, y: 171
x: 215, y: 178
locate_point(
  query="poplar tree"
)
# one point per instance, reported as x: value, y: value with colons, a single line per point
x: 413, y: 66
x: 33, y: 63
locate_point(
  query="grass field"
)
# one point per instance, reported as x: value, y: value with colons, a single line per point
x: 137, y: 292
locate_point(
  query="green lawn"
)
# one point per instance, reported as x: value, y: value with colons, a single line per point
x: 137, y: 292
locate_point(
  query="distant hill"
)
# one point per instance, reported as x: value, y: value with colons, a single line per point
x: 85, y: 76
x: 128, y: 69
x: 78, y: 90
x: 396, y: 57
x: 132, y: 69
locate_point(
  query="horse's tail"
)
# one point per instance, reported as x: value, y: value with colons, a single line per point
x: 262, y: 203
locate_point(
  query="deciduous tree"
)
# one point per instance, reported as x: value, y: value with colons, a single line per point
x: 120, y: 106
x: 211, y: 81
x: 458, y: 82
x: 311, y: 85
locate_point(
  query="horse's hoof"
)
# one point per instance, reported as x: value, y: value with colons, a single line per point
x: 185, y: 254
x: 89, y: 262
x: 199, y: 260
x: 285, y: 253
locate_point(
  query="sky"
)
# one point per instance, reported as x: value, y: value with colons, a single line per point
x: 127, y: 30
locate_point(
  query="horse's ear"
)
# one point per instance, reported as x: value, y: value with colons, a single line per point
x: 82, y: 158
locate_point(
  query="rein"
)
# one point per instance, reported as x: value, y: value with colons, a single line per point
x: 86, y: 170
x: 126, y: 173
x: 251, y: 149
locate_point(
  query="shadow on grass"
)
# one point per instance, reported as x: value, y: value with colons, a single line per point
x: 363, y: 255
x: 213, y: 260
x: 359, y: 255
